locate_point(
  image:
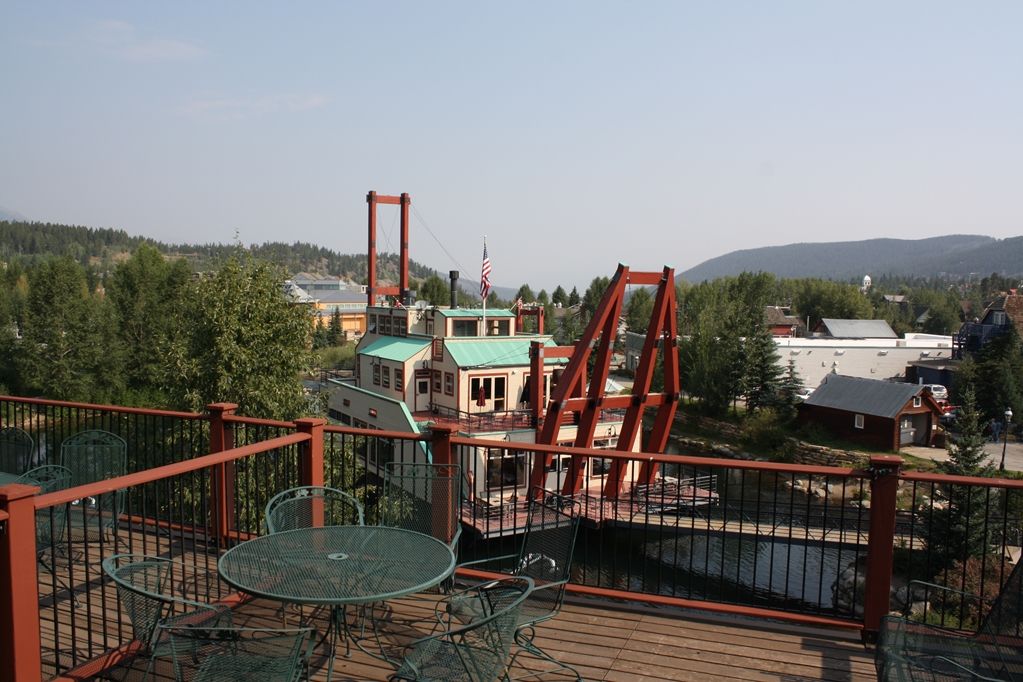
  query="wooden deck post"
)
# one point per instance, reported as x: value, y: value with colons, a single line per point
x: 20, y: 646
x: 310, y: 458
x: 310, y: 462
x: 442, y: 525
x: 222, y: 485
x: 884, y: 485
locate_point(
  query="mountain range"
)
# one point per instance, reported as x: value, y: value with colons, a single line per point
x: 953, y: 256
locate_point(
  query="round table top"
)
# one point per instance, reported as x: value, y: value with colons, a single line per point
x: 337, y: 564
x: 7, y: 477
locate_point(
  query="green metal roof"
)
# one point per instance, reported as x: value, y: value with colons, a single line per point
x: 494, y: 352
x: 473, y: 312
x: 398, y: 348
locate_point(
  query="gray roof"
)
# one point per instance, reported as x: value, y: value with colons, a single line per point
x: 864, y: 396
x: 859, y: 329
x: 340, y: 296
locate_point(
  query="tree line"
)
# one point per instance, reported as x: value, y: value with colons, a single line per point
x: 152, y: 333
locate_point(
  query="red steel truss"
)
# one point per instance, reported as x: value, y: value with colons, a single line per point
x: 574, y: 400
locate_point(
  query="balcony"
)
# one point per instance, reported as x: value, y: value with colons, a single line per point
x: 685, y: 567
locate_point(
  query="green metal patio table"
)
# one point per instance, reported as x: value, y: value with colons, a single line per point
x: 337, y: 566
x: 7, y: 477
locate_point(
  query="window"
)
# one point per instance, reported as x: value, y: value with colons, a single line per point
x: 437, y: 350
x: 436, y: 381
x: 917, y: 402
x: 475, y: 384
x: 506, y: 469
x: 449, y: 383
x: 400, y: 325
x: 385, y: 325
x: 372, y: 325
x: 464, y: 328
x: 998, y: 317
x: 601, y: 466
x: 399, y: 379
x: 376, y: 374
x: 858, y: 421
x: 429, y: 326
x: 386, y: 380
x: 496, y: 327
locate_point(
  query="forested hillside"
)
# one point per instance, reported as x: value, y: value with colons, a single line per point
x: 101, y: 248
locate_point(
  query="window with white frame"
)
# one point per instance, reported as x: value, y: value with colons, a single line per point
x: 858, y: 421
x: 917, y: 401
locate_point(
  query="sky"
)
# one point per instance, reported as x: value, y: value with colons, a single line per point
x: 572, y: 135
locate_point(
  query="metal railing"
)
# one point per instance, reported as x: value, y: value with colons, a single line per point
x: 803, y: 543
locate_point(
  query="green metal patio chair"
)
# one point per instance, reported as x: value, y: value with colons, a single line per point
x: 95, y: 456
x: 223, y: 654
x: 908, y: 650
x: 297, y: 508
x: 474, y: 636
x: 156, y: 591
x: 51, y: 523
x: 546, y: 557
x: 423, y: 497
x: 16, y: 450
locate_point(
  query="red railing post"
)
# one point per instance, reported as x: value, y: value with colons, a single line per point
x: 222, y: 485
x: 884, y: 485
x: 20, y: 645
x: 310, y: 458
x: 310, y: 461
x: 442, y: 524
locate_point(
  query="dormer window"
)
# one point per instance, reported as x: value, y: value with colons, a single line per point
x: 998, y: 317
x: 917, y: 402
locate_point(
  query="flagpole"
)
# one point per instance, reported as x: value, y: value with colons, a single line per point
x: 488, y: 292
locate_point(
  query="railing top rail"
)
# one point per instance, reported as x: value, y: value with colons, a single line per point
x: 376, y: 433
x: 4, y: 515
x: 108, y: 408
x: 165, y: 471
x: 698, y: 462
x: 922, y: 477
x: 255, y: 421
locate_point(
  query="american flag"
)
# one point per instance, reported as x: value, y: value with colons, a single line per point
x: 485, y: 274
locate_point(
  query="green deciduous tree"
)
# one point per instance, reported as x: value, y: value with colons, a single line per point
x: 246, y: 343
x: 638, y: 310
x: 525, y: 294
x: 434, y: 291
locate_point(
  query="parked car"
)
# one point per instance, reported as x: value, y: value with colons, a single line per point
x: 938, y: 391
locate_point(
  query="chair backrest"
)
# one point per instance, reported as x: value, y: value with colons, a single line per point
x: 311, y: 505
x: 546, y: 552
x: 151, y: 588
x: 16, y: 449
x: 238, y: 654
x: 479, y: 637
x: 97, y: 456
x: 94, y: 456
x: 51, y: 522
x: 423, y: 497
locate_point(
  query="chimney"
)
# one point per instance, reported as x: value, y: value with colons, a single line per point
x: 453, y: 274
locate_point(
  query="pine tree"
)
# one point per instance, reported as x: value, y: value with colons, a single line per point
x: 559, y: 297
x: 959, y: 529
x: 573, y: 297
x: 762, y: 377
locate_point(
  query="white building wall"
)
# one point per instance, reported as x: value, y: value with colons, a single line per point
x: 815, y: 358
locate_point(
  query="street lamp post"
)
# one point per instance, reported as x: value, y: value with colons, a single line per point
x: 1005, y: 441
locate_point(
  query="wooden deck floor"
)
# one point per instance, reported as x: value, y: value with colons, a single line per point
x: 604, y: 640
x: 622, y: 643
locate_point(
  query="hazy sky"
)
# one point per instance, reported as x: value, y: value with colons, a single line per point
x: 573, y: 134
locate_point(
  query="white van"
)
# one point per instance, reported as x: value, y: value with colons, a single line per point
x: 938, y: 391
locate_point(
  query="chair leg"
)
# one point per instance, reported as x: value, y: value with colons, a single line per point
x: 524, y: 640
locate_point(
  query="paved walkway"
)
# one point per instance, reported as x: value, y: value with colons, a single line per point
x: 1013, y: 454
